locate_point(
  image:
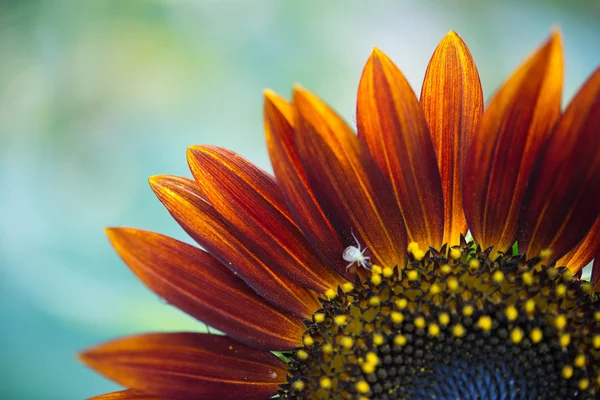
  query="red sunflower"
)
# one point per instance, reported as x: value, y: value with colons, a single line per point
x: 347, y: 275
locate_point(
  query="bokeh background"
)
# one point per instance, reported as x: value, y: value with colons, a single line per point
x: 95, y: 96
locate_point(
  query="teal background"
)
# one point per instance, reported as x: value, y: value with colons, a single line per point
x: 95, y: 96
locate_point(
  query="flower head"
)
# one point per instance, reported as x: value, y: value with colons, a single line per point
x: 352, y: 263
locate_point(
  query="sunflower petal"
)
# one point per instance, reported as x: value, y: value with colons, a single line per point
x: 584, y: 252
x: 452, y: 99
x: 562, y: 201
x: 249, y: 200
x: 292, y: 180
x: 392, y: 124
x: 202, y: 222
x: 503, y: 151
x: 197, y: 283
x: 125, y: 395
x: 347, y: 182
x: 188, y: 366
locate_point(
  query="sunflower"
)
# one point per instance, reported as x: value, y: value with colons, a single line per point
x: 347, y: 275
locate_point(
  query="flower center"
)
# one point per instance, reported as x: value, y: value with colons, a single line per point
x: 453, y: 323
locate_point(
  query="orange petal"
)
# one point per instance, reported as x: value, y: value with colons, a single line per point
x: 503, y: 151
x: 347, y: 182
x: 584, y: 252
x: 249, y: 200
x: 202, y: 222
x: 392, y: 124
x: 195, y: 282
x: 126, y: 395
x: 188, y: 366
x: 562, y: 200
x: 292, y: 180
x: 452, y: 99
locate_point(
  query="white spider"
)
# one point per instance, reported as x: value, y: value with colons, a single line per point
x: 356, y: 255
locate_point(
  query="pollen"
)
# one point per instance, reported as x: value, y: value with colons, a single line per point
x: 516, y: 335
x: 378, y: 339
x: 308, y: 341
x: 485, y: 322
x: 401, y: 303
x: 396, y: 317
x: 368, y: 368
x: 412, y: 275
x: 372, y: 358
x: 318, y: 317
x: 420, y: 322
x: 302, y: 354
x: 444, y: 319
x: 561, y: 290
x: 530, y: 306
x: 433, y: 330
x: 567, y: 372
x: 511, y: 313
x: 468, y: 310
x: 584, y: 384
x: 298, y: 385
x: 399, y: 340
x: 347, y: 342
x: 376, y: 279
x: 446, y: 269
x: 374, y: 301
x: 564, y: 340
x: 455, y: 253
x: 331, y: 294
x: 362, y: 387
x: 498, y: 276
x: 387, y: 272
x: 536, y: 335
x: 580, y: 361
x: 453, y: 284
x: 435, y: 289
x: 458, y: 330
x: 340, y: 319
x: 347, y: 287
x: 325, y: 382
x: 527, y: 278
x: 473, y: 264
x: 560, y: 322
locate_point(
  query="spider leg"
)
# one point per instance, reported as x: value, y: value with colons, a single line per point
x: 366, y: 264
x: 355, y: 239
x: 365, y: 249
x: 349, y: 265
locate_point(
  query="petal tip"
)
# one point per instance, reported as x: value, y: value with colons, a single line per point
x: 378, y: 54
x: 156, y: 181
x: 270, y: 96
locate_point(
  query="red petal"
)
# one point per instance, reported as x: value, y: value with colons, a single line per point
x: 126, y: 395
x: 188, y: 366
x: 292, y: 180
x: 249, y: 200
x: 202, y: 222
x: 195, y: 282
x: 562, y: 201
x: 584, y: 252
x: 503, y: 152
x: 453, y: 103
x: 347, y: 182
x: 392, y: 124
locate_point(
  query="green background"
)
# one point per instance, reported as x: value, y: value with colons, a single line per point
x: 95, y: 96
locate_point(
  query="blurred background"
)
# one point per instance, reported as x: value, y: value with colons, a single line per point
x: 95, y: 96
